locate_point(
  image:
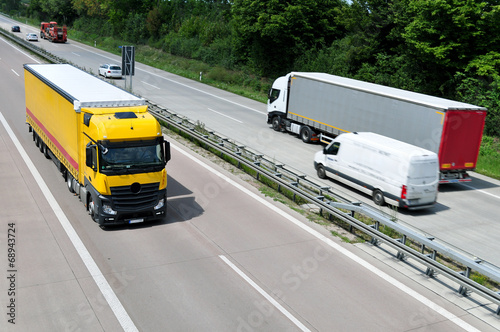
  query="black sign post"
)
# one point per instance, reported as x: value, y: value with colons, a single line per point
x: 128, y: 63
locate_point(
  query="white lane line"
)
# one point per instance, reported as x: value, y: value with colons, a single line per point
x: 15, y: 72
x: 481, y: 191
x: 185, y: 85
x: 106, y: 290
x: 227, y: 116
x: 263, y: 293
x: 154, y: 86
x: 21, y: 51
x: 417, y: 296
x: 76, y: 54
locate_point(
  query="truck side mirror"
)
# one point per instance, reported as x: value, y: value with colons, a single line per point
x: 167, y: 151
x: 90, y: 157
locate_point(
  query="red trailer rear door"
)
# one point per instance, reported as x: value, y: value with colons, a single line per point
x: 461, y: 139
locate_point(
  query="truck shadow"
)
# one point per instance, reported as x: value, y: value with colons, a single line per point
x: 181, y: 206
x: 475, y: 184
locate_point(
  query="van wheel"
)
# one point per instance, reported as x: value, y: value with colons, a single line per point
x: 378, y: 197
x: 306, y: 134
x: 321, y: 172
x: 277, y: 123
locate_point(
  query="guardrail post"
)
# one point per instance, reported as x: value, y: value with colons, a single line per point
x: 375, y: 226
x: 400, y: 254
x: 463, y: 290
x: 498, y: 309
x: 430, y: 272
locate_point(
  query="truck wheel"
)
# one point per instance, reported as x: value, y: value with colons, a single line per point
x: 69, y: 182
x: 46, y: 151
x: 321, y: 172
x: 91, y: 206
x: 306, y: 134
x: 277, y: 123
x: 41, y: 146
x: 378, y: 197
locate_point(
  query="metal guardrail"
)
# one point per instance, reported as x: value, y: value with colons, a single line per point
x: 326, y: 199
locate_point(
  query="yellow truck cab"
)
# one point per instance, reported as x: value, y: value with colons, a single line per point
x: 110, y: 150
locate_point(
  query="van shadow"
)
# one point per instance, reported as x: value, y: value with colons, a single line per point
x: 436, y: 208
x: 180, y: 207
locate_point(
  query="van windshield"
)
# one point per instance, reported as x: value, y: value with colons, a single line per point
x: 423, y: 172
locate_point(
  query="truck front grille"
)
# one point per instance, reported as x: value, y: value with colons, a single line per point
x: 135, y: 197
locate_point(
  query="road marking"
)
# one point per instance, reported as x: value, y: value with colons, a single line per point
x: 76, y: 54
x: 263, y: 293
x: 154, y: 86
x: 179, y: 83
x: 384, y: 276
x: 106, y: 290
x: 14, y: 72
x: 481, y: 191
x: 227, y: 116
x: 21, y: 51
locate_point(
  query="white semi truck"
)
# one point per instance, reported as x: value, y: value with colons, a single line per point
x: 317, y: 106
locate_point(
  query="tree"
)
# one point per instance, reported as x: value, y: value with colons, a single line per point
x: 270, y: 35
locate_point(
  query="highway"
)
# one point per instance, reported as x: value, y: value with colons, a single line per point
x: 224, y: 259
x: 465, y: 217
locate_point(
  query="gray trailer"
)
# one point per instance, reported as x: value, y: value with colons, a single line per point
x: 318, y: 106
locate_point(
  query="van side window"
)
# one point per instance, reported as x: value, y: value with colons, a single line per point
x: 333, y: 149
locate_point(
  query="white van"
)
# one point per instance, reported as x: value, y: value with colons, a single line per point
x: 392, y: 171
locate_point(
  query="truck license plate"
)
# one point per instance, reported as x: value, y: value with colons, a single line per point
x: 135, y: 221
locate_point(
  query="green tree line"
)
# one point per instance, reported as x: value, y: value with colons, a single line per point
x: 445, y: 48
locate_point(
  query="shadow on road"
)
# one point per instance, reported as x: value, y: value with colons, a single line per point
x: 181, y: 206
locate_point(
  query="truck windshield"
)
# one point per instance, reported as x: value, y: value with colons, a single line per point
x: 137, y: 157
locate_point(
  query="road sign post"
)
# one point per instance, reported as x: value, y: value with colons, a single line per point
x: 128, y: 63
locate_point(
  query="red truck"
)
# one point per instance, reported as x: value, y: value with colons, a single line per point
x: 52, y: 32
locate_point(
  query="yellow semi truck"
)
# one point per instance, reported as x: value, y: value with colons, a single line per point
x: 110, y: 150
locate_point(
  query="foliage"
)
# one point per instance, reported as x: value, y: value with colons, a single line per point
x: 270, y: 35
x: 446, y: 48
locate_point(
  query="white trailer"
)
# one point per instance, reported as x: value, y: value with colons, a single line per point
x: 318, y: 105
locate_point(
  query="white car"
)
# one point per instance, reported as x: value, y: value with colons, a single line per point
x: 31, y: 37
x: 109, y: 70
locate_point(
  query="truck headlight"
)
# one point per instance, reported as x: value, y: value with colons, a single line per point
x: 160, y: 204
x: 106, y: 208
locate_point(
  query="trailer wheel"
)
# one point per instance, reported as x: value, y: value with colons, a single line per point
x: 46, y: 151
x: 378, y: 197
x: 37, y: 140
x: 69, y: 182
x: 41, y: 146
x: 277, y: 123
x: 306, y: 134
x: 321, y: 172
